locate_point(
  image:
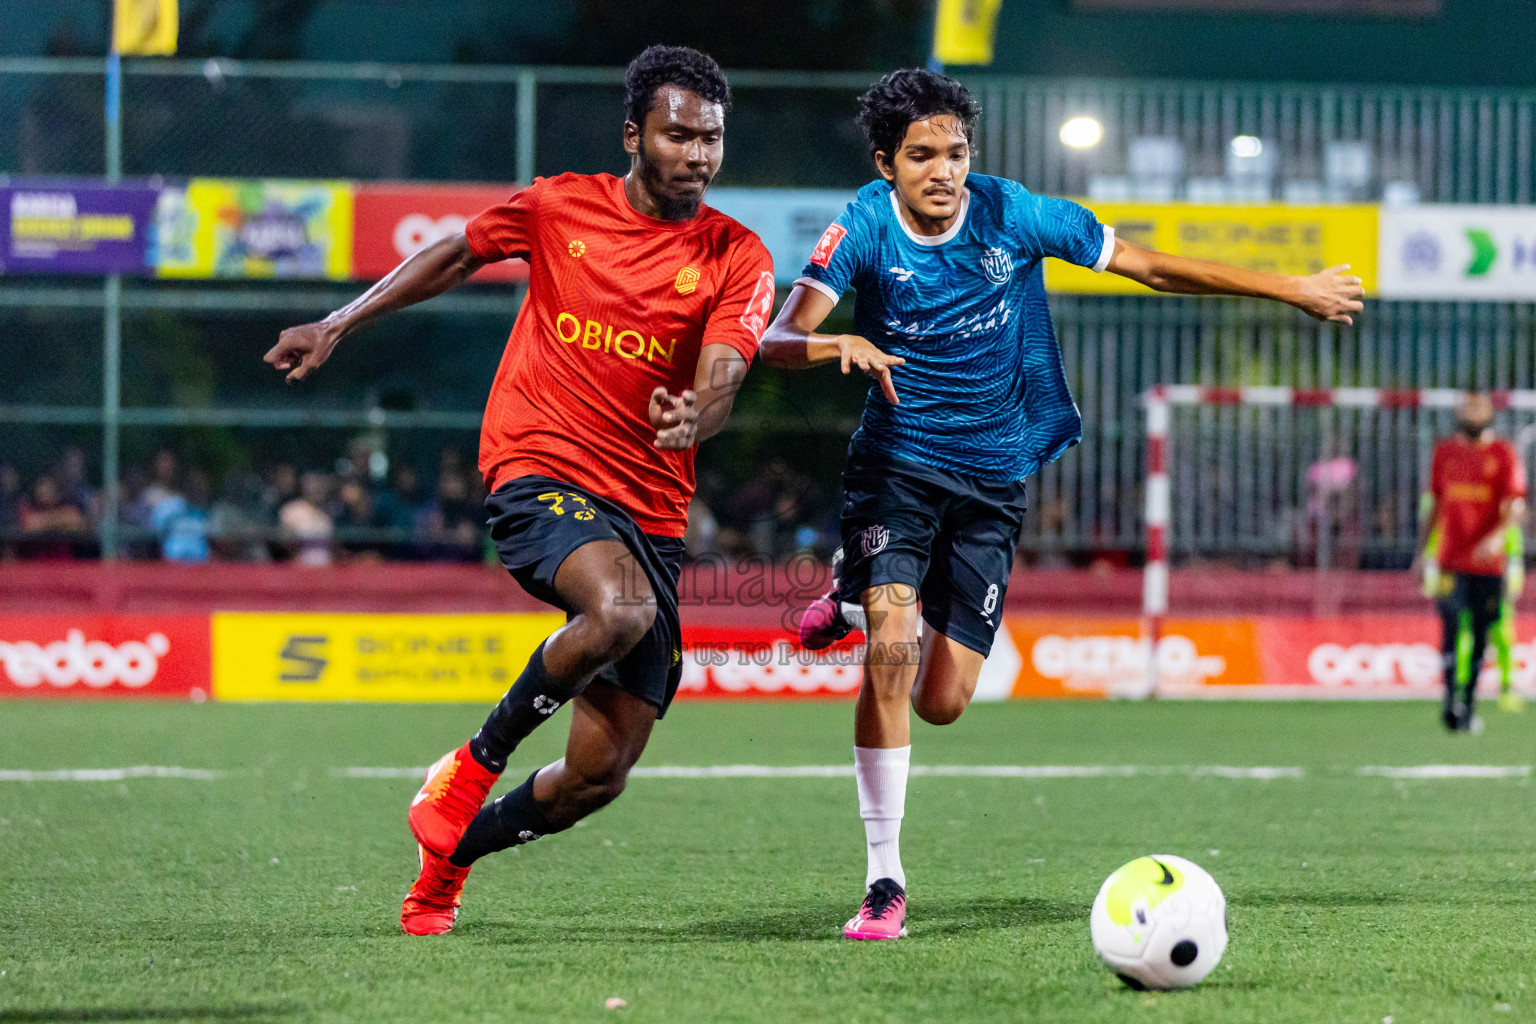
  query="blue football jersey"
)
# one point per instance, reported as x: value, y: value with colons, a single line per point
x: 983, y: 391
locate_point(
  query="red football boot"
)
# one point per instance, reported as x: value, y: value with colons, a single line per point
x: 455, y: 789
x: 432, y: 905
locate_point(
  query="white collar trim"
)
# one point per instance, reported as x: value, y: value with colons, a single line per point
x: 954, y: 229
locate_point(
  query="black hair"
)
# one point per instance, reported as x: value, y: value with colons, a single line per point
x: 901, y: 98
x: 681, y: 66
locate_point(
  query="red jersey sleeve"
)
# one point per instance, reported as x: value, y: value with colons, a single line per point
x: 1437, y: 471
x: 1514, y: 473
x: 745, y: 303
x: 502, y: 232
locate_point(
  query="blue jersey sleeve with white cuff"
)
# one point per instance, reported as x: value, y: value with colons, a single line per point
x: 842, y: 255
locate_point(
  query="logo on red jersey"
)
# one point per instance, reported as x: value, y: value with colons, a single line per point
x: 830, y: 240
x: 577, y: 248
x: 687, y: 280
x: 755, y: 319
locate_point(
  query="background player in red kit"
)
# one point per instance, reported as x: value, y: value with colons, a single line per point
x: 644, y: 309
x: 1477, y: 492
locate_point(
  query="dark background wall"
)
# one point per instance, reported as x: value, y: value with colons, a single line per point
x: 1472, y: 42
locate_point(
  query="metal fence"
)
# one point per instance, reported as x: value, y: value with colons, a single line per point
x: 1242, y: 470
x: 1240, y: 475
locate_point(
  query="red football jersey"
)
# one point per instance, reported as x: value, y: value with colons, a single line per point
x: 1470, y: 479
x: 618, y: 303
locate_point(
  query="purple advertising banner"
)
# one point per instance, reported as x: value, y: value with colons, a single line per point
x: 64, y: 227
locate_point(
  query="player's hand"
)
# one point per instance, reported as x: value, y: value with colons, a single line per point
x: 675, y: 419
x: 301, y: 350
x: 1491, y: 548
x: 858, y: 352
x: 1332, y: 295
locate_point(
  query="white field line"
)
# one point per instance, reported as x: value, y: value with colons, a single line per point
x: 1448, y: 771
x: 830, y: 771
x: 143, y: 771
x: 380, y: 773
x: 802, y: 771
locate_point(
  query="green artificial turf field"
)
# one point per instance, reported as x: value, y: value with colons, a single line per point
x: 271, y: 892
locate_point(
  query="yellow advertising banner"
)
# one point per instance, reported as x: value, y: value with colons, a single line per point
x: 1281, y: 239
x: 256, y: 228
x: 286, y: 656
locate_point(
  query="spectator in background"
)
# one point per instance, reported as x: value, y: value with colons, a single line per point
x: 400, y: 509
x: 181, y: 521
x: 10, y: 508
x: 699, y: 540
x: 163, y: 482
x: 10, y: 496
x: 353, y: 510
x: 282, y: 487
x: 51, y: 520
x: 238, y: 521
x: 75, y: 484
x: 304, y: 521
x: 773, y: 507
x: 453, y: 521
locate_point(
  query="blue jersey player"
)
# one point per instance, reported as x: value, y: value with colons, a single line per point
x: 968, y: 398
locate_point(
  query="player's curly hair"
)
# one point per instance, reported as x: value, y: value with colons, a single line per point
x: 681, y: 66
x: 894, y: 103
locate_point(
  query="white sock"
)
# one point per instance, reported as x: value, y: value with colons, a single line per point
x: 882, y: 778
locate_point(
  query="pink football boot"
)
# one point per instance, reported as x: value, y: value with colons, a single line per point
x: 883, y: 915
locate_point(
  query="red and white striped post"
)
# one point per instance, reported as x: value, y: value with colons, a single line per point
x: 1159, y: 402
x: 1154, y: 588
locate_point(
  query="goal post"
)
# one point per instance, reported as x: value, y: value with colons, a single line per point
x: 1159, y: 404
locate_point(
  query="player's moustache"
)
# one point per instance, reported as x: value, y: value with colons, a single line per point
x: 1472, y: 428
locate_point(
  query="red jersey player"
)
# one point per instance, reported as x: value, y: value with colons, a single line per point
x: 1477, y: 492
x: 644, y: 309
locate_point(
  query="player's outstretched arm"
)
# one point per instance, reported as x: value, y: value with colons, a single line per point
x: 696, y: 415
x: 791, y: 341
x: 1329, y: 295
x: 432, y: 271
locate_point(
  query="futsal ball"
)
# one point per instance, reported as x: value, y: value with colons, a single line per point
x: 1160, y: 923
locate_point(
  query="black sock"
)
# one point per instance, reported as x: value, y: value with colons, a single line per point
x: 512, y: 820
x: 528, y: 705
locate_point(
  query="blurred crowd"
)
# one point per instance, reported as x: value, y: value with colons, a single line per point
x: 280, y: 512
x: 354, y: 509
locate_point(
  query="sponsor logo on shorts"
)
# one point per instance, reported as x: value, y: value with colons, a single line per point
x: 873, y: 539
x: 528, y: 837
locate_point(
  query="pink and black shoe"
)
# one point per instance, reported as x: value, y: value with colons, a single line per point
x: 883, y: 915
x: 828, y: 619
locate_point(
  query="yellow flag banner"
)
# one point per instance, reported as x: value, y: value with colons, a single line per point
x: 965, y: 31
x: 145, y: 28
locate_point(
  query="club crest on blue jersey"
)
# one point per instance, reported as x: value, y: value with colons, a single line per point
x: 998, y: 265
